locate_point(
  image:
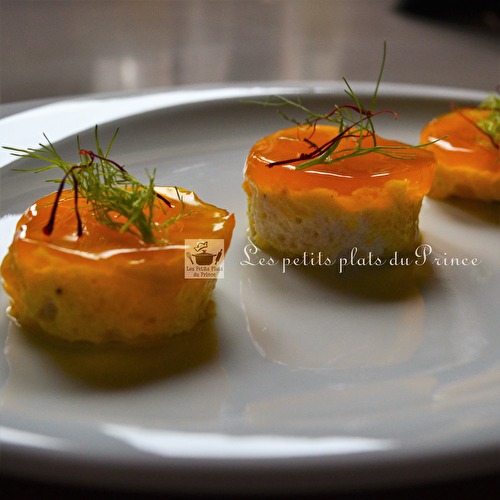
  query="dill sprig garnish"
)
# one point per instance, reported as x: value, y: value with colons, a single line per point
x: 491, y: 125
x: 106, y: 186
x: 353, y: 121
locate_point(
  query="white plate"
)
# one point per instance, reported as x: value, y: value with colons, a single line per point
x: 340, y: 388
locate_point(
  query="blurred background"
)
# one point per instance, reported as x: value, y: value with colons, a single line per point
x: 53, y: 48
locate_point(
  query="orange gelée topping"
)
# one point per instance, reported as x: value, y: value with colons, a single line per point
x: 465, y: 144
x: 345, y: 176
x: 100, y: 241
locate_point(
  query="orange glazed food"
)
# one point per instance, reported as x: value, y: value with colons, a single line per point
x: 468, y: 159
x: 370, y: 202
x: 107, y: 285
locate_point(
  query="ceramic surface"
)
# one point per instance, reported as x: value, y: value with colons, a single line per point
x: 316, y: 371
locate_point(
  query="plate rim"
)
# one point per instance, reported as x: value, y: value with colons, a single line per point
x: 475, y: 452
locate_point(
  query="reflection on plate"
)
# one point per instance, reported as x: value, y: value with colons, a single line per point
x: 354, y: 376
x: 388, y: 332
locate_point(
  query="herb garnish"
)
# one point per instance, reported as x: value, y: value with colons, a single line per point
x: 357, y: 127
x: 107, y: 186
x: 491, y: 125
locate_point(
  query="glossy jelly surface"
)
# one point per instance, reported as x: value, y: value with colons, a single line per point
x: 464, y: 145
x: 201, y: 220
x: 368, y: 170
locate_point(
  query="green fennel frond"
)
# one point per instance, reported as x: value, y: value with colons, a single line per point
x: 353, y: 121
x: 491, y: 125
x: 106, y: 186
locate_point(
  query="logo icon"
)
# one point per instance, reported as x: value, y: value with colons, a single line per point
x: 204, y: 259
